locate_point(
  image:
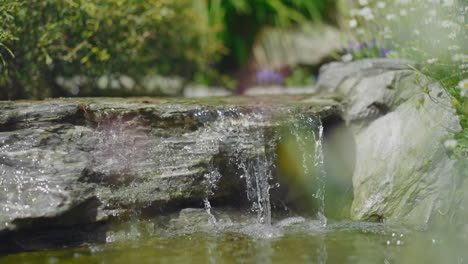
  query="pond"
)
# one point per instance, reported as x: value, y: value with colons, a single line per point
x: 292, y: 240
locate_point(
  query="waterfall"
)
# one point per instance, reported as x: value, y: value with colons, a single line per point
x: 320, y: 171
x: 251, y: 146
x: 308, y: 133
x: 257, y: 172
x: 211, y: 178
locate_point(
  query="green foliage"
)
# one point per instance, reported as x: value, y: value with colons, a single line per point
x: 240, y: 21
x: 6, y: 26
x: 300, y: 76
x: 43, y: 39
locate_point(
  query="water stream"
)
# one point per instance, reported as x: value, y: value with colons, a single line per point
x: 252, y: 150
x: 312, y: 162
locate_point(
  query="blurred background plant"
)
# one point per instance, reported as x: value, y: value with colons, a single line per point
x: 299, y: 76
x: 42, y: 40
x: 51, y: 48
x: 241, y: 21
x: 432, y: 33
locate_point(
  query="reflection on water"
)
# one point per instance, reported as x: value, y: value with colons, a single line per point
x: 304, y: 241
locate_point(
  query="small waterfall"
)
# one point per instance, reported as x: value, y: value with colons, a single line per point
x: 211, y: 178
x: 257, y: 172
x: 213, y: 175
x: 308, y: 132
x: 251, y: 139
x: 319, y: 166
x: 254, y: 157
x: 244, y: 135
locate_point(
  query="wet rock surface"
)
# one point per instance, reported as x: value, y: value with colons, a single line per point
x: 399, y: 120
x: 70, y: 162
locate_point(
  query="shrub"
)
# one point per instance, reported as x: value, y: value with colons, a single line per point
x: 41, y: 40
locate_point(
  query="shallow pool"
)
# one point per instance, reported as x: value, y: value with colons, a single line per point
x: 291, y: 240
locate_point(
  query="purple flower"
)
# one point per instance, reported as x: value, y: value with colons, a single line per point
x: 266, y: 76
x: 384, y: 52
x: 351, y: 46
x: 358, y: 46
x: 370, y: 45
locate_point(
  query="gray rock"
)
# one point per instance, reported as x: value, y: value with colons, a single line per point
x: 307, y: 45
x: 66, y: 162
x: 197, y: 220
x: 402, y: 171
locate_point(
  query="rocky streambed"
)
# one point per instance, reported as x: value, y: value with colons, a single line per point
x: 368, y: 144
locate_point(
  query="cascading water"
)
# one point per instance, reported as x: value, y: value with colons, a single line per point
x: 257, y: 172
x: 321, y: 176
x: 252, y: 150
x: 316, y: 173
x: 247, y: 138
x: 247, y: 149
x: 212, y: 177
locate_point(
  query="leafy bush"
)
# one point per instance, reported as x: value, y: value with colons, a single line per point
x: 43, y: 39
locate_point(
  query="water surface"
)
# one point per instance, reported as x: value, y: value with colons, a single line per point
x: 294, y: 240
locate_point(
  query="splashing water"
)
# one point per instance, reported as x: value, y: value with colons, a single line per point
x: 319, y: 166
x: 256, y: 163
x: 212, y: 177
x: 252, y: 150
x: 207, y: 206
x: 257, y: 173
x: 240, y: 130
x: 307, y: 131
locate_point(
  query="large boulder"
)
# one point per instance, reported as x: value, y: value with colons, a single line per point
x: 67, y: 162
x: 400, y: 120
